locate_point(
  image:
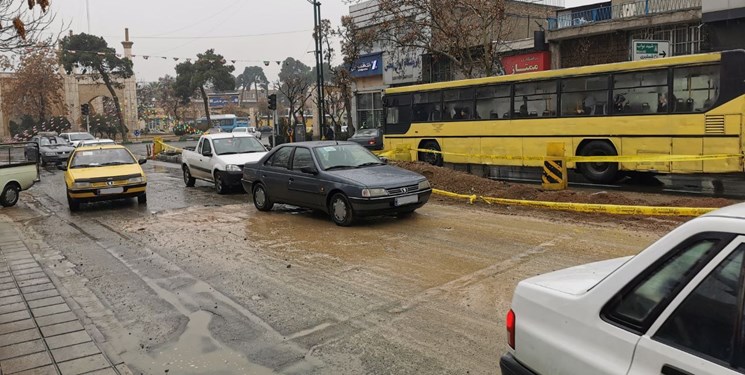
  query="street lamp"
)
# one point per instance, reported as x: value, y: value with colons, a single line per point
x: 318, y: 36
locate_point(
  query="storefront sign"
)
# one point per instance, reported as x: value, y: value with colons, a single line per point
x: 368, y: 66
x: 402, y: 69
x: 222, y: 101
x: 529, y: 62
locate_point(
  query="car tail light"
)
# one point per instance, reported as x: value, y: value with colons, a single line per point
x: 511, y: 329
x: 371, y: 142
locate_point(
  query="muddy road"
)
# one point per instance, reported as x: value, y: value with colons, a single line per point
x: 198, y: 283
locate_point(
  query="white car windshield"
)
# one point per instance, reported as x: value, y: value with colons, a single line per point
x: 101, y: 157
x: 345, y: 156
x: 81, y: 137
x: 237, y: 145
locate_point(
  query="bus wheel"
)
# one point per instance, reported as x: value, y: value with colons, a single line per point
x: 599, y: 173
x: 430, y: 157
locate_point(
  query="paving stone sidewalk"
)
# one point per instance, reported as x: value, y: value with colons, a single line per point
x: 39, y: 334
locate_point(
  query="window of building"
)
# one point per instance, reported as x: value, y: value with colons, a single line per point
x: 369, y: 110
x: 684, y: 39
x: 428, y: 107
x: 584, y: 96
x: 640, y: 92
x: 695, y: 89
x: 535, y: 99
x: 458, y: 104
x: 706, y: 321
x: 493, y: 102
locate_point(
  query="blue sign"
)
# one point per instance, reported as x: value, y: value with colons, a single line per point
x: 137, y: 133
x: 222, y: 101
x: 368, y: 66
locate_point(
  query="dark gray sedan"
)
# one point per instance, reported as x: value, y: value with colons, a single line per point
x: 371, y: 139
x: 342, y: 179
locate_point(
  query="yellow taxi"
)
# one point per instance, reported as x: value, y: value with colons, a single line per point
x: 103, y: 172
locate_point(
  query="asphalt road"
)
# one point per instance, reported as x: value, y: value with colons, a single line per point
x: 196, y: 282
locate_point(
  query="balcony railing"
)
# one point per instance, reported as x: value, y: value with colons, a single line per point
x: 568, y: 18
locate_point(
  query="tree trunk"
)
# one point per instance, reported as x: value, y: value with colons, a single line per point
x: 120, y: 117
x: 206, y: 107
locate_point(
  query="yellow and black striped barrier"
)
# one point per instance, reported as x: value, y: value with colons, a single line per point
x: 611, y: 209
x: 555, y: 168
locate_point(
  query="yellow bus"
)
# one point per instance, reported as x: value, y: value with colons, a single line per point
x: 686, y: 105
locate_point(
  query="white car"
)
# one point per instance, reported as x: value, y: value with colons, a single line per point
x: 247, y: 130
x: 219, y: 159
x: 75, y: 138
x: 674, y: 309
x: 94, y: 142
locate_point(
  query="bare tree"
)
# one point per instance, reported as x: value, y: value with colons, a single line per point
x: 294, y: 85
x: 464, y: 32
x: 23, y: 23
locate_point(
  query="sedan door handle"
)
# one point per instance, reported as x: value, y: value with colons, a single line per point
x: 671, y: 370
x: 291, y: 180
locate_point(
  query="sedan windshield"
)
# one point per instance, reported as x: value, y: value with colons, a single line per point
x: 101, y: 158
x: 345, y: 156
x: 80, y: 137
x: 237, y: 145
x: 52, y: 141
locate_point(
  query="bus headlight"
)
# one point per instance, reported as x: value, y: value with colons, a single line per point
x: 424, y: 185
x: 370, y: 193
x: 232, y: 168
x: 81, y: 185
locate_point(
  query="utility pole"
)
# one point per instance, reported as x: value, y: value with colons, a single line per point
x: 88, y: 14
x: 318, y: 35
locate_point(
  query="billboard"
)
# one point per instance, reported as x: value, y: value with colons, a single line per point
x: 223, y: 100
x: 402, y: 69
x: 528, y: 62
x: 368, y: 66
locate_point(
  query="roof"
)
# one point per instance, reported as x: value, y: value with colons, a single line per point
x: 735, y: 211
x: 227, y: 135
x: 99, y: 147
x: 319, y: 143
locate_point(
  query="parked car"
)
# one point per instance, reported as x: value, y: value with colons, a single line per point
x: 371, y: 139
x: 219, y: 159
x: 247, y: 130
x: 342, y: 179
x: 100, y: 173
x: 96, y: 142
x: 265, y: 130
x: 16, y: 173
x: 676, y: 308
x: 48, y: 148
x: 76, y: 137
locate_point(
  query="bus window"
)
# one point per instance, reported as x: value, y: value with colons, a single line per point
x: 493, y: 102
x: 696, y: 89
x: 641, y: 93
x: 535, y: 99
x: 458, y: 104
x: 427, y: 107
x: 398, y: 109
x: 584, y: 96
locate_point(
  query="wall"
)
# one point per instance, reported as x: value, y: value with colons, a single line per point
x: 598, y: 49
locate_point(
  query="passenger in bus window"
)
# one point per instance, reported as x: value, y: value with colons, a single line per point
x: 524, y: 107
x: 436, y: 114
x: 661, y: 103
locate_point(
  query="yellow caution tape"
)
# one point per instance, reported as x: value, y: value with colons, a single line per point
x: 612, y: 209
x: 596, y: 159
x: 163, y: 147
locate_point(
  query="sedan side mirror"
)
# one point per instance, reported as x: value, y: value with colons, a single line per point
x: 62, y: 167
x: 309, y: 170
x: 142, y: 161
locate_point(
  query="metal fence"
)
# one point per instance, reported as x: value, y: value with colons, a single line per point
x: 569, y: 18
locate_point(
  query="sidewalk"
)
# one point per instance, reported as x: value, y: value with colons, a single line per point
x: 39, y: 334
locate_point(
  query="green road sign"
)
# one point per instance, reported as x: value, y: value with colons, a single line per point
x: 646, y: 48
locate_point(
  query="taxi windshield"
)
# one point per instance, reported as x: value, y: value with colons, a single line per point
x: 101, y: 158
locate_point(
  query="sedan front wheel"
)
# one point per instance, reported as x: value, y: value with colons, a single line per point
x: 261, y: 198
x: 341, y: 211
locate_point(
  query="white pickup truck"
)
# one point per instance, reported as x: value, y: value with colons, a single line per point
x: 219, y: 159
x: 16, y: 173
x: 676, y: 308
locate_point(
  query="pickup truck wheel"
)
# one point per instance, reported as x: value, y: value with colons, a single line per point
x: 261, y: 198
x: 10, y: 195
x: 341, y: 210
x: 188, y: 180
x: 220, y: 186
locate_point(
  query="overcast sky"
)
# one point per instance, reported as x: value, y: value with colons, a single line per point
x: 256, y: 30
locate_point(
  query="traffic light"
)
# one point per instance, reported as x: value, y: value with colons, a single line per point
x: 85, y: 109
x: 273, y: 101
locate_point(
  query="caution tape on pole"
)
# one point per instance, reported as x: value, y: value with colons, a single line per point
x: 168, y: 148
x: 611, y: 209
x: 592, y: 159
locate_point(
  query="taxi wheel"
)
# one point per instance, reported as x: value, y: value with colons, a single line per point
x: 341, y: 211
x: 142, y: 199
x: 73, y: 203
x: 10, y: 195
x: 220, y: 186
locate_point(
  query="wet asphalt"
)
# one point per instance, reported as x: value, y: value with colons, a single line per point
x: 195, y: 282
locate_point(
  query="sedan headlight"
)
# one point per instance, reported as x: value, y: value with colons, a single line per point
x: 135, y: 180
x: 369, y: 193
x: 81, y: 185
x: 424, y: 185
x: 232, y: 168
